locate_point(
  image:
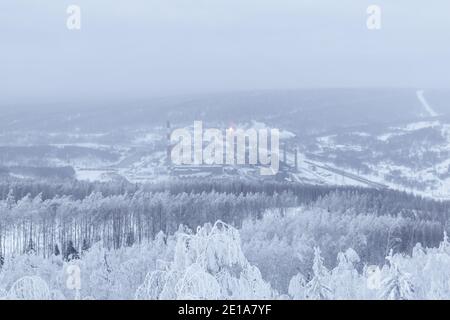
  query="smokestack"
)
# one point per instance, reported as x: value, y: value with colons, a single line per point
x: 296, y: 159
x: 169, y: 147
x: 257, y: 152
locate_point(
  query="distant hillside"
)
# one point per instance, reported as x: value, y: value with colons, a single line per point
x: 300, y: 110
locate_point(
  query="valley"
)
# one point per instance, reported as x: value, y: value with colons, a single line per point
x: 407, y: 151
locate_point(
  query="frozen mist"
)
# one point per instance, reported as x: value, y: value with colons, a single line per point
x: 224, y: 149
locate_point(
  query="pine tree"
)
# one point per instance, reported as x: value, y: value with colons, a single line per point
x: 444, y: 246
x: 56, y: 251
x: 10, y: 199
x: 397, y: 285
x: 297, y: 287
x: 130, y: 239
x: 345, y: 278
x: 30, y: 247
x: 71, y: 252
x: 85, y: 247
x: 317, y: 288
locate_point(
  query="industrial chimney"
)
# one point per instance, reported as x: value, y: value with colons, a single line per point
x: 169, y: 146
x: 296, y: 159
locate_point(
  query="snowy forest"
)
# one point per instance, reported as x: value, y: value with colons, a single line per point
x: 224, y: 150
x: 194, y: 239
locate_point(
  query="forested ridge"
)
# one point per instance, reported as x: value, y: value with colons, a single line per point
x: 212, y: 263
x: 72, y: 216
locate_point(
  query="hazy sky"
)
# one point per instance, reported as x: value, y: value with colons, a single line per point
x: 141, y: 48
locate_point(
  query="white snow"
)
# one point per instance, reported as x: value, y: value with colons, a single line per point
x: 147, y: 138
x: 284, y: 134
x: 92, y: 175
x: 421, y: 125
x: 399, y: 131
x: 428, y: 108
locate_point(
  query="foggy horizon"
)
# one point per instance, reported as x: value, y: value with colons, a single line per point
x: 144, y: 50
x: 224, y: 150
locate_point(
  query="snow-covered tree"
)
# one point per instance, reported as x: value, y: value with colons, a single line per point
x: 345, y: 281
x: 29, y: 288
x: 297, y: 287
x: 397, y: 285
x: 318, y: 287
x: 207, y: 265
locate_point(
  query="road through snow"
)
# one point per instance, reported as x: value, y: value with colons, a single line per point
x: 425, y: 104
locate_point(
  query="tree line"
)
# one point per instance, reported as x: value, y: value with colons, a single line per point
x: 70, y: 217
